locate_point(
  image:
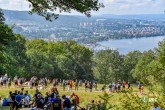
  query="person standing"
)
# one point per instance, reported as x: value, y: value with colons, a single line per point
x: 118, y: 86
x: 86, y: 86
x: 110, y: 87
x: 71, y: 84
x: 54, y: 82
x: 16, y: 81
x: 63, y: 84
x: 129, y: 85
x: 103, y: 88
x: 90, y: 86
x: 45, y: 83
x: 9, y: 100
x: 76, y: 85
x: 9, y: 82
x: 21, y: 82
x: 18, y: 99
x: 1, y: 82
x: 140, y: 87
x: 123, y: 85
x: 4, y: 80
x: 13, y: 99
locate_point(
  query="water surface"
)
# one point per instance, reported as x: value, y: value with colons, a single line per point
x: 125, y: 46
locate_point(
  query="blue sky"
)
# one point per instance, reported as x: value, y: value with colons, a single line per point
x: 111, y: 6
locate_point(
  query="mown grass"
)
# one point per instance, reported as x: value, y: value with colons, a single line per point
x: 85, y: 97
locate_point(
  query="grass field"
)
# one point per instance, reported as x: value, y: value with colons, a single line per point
x: 85, y: 97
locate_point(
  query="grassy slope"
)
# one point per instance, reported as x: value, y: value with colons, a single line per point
x: 85, y: 97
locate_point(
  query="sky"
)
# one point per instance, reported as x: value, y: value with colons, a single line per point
x: 111, y: 6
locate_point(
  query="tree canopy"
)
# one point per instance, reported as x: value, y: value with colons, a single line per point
x: 2, y: 19
x: 47, y: 8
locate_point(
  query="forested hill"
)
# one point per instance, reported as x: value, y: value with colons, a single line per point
x: 18, y: 16
x: 11, y: 15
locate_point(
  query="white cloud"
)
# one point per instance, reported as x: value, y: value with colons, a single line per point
x: 126, y: 6
x: 14, y: 4
x: 133, y: 6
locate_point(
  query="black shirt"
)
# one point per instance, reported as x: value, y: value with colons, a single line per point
x: 46, y: 99
x: 40, y: 103
x: 57, y: 104
x: 13, y: 96
x: 67, y: 103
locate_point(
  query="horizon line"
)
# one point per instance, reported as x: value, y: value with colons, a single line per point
x: 70, y: 14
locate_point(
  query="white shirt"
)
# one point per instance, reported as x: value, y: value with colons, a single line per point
x: 26, y: 100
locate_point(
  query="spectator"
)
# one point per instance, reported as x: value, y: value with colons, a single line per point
x: 39, y: 103
x: 26, y: 100
x: 64, y: 85
x: 91, y: 106
x: 28, y: 95
x: 76, y: 85
x: 47, y: 98
x: 9, y: 100
x: 156, y: 106
x: 66, y: 103
x: 18, y: 99
x: 75, y: 100
x: 13, y: 99
x: 56, y: 103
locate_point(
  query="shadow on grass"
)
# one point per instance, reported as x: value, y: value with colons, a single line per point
x: 4, y: 108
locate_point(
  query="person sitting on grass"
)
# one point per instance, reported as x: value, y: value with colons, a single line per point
x: 54, y: 92
x: 9, y: 100
x: 101, y: 106
x: 75, y: 100
x: 156, y: 106
x: 66, y: 103
x: 26, y: 100
x: 56, y: 103
x: 39, y: 103
x: 91, y: 106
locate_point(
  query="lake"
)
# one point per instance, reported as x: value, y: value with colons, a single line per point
x: 125, y: 46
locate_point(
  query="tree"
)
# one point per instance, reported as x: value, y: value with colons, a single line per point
x: 130, y: 61
x: 2, y: 19
x: 81, y: 58
x: 59, y: 59
x: 6, y: 36
x: 43, y: 7
x: 38, y: 58
x: 108, y: 66
x: 15, y: 60
x: 141, y: 71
